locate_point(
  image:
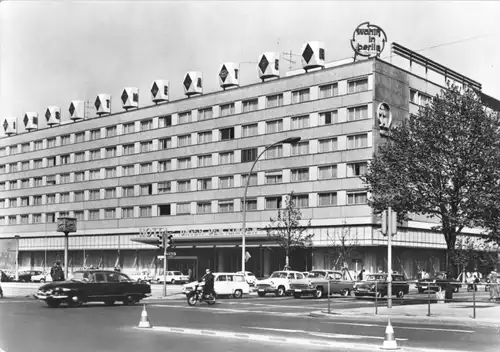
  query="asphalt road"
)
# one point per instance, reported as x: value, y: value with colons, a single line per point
x: 230, y: 325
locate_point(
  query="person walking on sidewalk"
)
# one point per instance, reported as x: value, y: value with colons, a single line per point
x: 56, y: 272
x: 493, y: 285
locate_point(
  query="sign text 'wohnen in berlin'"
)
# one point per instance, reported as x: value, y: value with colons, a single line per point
x: 368, y: 40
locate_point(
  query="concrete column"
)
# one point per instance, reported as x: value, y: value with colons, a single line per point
x: 267, y: 262
x: 220, y: 260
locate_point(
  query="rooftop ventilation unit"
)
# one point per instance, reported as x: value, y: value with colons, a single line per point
x: 103, y: 104
x: 53, y: 115
x: 159, y: 91
x: 269, y: 65
x: 193, y: 83
x: 77, y: 110
x: 30, y: 121
x: 9, y: 126
x: 130, y: 98
x: 313, y: 55
x: 229, y: 75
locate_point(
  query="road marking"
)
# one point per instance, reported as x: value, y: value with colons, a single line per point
x: 227, y: 310
x: 402, y: 327
x: 270, y: 305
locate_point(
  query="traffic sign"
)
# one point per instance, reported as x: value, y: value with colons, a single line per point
x: 171, y: 254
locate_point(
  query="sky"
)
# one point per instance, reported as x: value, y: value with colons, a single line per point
x: 53, y: 52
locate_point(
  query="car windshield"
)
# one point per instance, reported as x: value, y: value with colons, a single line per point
x: 177, y: 273
x: 316, y: 274
x: 278, y: 275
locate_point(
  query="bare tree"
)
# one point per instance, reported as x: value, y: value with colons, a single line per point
x: 286, y: 229
x: 343, y: 243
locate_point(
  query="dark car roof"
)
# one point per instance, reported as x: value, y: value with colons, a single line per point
x: 95, y: 271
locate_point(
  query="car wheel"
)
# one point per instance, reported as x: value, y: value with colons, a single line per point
x: 378, y: 294
x: 345, y: 293
x: 128, y: 300
x: 455, y: 290
x: 238, y: 294
x: 297, y: 295
x: 109, y: 303
x: 318, y: 293
x: 261, y: 294
x: 42, y: 281
x: 401, y: 294
x: 173, y: 281
x: 53, y: 304
x: 280, y: 292
x: 74, y: 302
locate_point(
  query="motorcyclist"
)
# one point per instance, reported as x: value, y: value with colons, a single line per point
x: 209, y: 283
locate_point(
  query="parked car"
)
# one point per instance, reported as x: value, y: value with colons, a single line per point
x: 376, y: 285
x: 278, y: 283
x: 225, y: 284
x: 249, y: 277
x: 141, y: 276
x: 316, y: 284
x: 42, y: 277
x: 93, y: 286
x: 25, y: 276
x: 5, y: 277
x: 174, y: 277
x: 435, y: 282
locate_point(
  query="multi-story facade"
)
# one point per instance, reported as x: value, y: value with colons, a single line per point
x: 182, y: 165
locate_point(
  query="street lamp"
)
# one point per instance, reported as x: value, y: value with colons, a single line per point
x: 17, y: 257
x: 66, y: 225
x: 291, y: 140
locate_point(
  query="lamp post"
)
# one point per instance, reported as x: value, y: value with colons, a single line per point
x: 17, y: 257
x: 290, y: 140
x: 66, y: 225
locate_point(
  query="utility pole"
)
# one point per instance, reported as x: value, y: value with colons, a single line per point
x: 389, y: 228
x: 164, y: 264
x: 289, y: 54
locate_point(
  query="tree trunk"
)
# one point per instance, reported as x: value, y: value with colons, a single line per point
x: 287, y: 262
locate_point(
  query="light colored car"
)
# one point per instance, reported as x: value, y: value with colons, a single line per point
x: 173, y: 277
x: 279, y: 283
x: 225, y: 284
x: 141, y: 275
x: 42, y: 277
x: 249, y: 277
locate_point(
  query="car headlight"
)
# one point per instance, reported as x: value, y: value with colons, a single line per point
x: 310, y: 285
x: 373, y: 287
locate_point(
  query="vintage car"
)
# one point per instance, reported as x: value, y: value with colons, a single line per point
x: 41, y: 277
x: 25, y: 276
x: 225, y: 284
x: 316, y: 284
x: 141, y: 276
x: 249, y: 277
x: 93, y: 286
x: 437, y: 281
x: 376, y: 285
x: 278, y: 283
x: 173, y: 277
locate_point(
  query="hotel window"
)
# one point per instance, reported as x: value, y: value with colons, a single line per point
x: 2, y: 151
x: 203, y: 207
x: 13, y: 185
x: 183, y: 163
x: 111, y: 131
x: 250, y: 105
x: 146, y: 125
x: 12, y: 202
x: 94, y: 214
x: 274, y: 100
x: 13, y: 167
x: 127, y: 213
x: 226, y: 206
x: 79, y: 176
x: 164, y: 187
x: 359, y: 85
x: 205, y: 114
x: 37, y: 218
x: 248, y: 155
x: 249, y: 130
x: 25, y: 183
x: 146, y: 190
x: 300, y: 175
x: 301, y: 200
x: 38, y: 145
x: 329, y: 90
x: 226, y: 158
x: 95, y: 174
x: 184, y: 140
x: 37, y: 200
x: 128, y: 149
x: 164, y: 210
x: 165, y: 143
x: 413, y: 96
x: 183, y: 208
x: 2, y: 186
x: 204, y: 184
x: 128, y: 191
x: 274, y: 177
x: 205, y: 160
x: 299, y: 122
x: 65, y: 140
x: 65, y: 178
x: 226, y: 182
x: 300, y: 96
x: 185, y: 117
x: 64, y: 197
x: 425, y: 99
x: 204, y: 137
x: 274, y: 152
x: 14, y: 149
x: 12, y: 220
x: 184, y: 186
x: 146, y: 168
x: 327, y: 145
x: 25, y: 165
x: 252, y: 182
x: 110, y: 172
x: 327, y: 172
x: 63, y: 214
x: 24, y: 219
x: 227, y: 109
x: 2, y: 205
x: 65, y: 159
x: 110, y: 213
x: 356, y: 198
x: 25, y: 147
x: 37, y: 163
x: 357, y: 113
x: 251, y: 204
x: 164, y: 121
x: 164, y: 165
x: 110, y: 152
x: 226, y: 134
x: 110, y: 193
x: 95, y: 134
x: 146, y: 146
x: 300, y: 148
x: 80, y: 137
x: 51, y: 180
x: 356, y: 169
x: 51, y: 161
x: 79, y: 196
x: 2, y: 169
x: 327, y: 199
x: 329, y: 117
x: 274, y: 126
x: 25, y: 201
x: 79, y: 215
x: 273, y: 202
x: 50, y: 217
x: 357, y: 141
x: 95, y: 154
x: 128, y: 170
x: 79, y: 157
x: 94, y: 194
x: 128, y: 128
x: 51, y: 199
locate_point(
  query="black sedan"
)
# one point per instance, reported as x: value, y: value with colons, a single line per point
x: 438, y: 281
x: 93, y: 286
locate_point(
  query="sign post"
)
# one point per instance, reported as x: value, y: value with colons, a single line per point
x: 389, y: 228
x: 164, y: 239
x: 66, y: 225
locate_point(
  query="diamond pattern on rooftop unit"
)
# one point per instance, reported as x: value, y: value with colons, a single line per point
x: 308, y: 53
x: 154, y: 89
x: 47, y: 115
x: 71, y: 109
x: 223, y: 73
x: 263, y: 64
x: 124, y: 96
x: 97, y: 103
x: 26, y: 120
x: 5, y: 124
x: 187, y: 82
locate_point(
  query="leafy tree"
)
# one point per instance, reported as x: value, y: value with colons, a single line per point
x: 443, y: 163
x: 465, y: 250
x: 286, y: 229
x: 343, y: 243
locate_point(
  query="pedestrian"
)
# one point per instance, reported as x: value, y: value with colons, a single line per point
x: 361, y: 274
x: 493, y: 285
x: 56, y: 272
x: 190, y: 275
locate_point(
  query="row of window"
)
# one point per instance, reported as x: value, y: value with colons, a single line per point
x: 186, y: 208
x: 276, y: 100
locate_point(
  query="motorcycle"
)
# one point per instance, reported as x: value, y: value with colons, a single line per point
x: 197, y: 295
